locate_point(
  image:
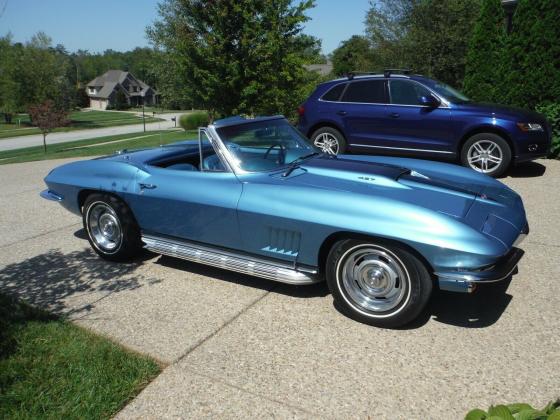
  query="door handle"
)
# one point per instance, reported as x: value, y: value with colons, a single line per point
x: 343, y: 113
x: 395, y: 115
x: 147, y: 186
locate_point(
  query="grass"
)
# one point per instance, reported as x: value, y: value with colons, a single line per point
x: 50, y: 368
x: 79, y: 120
x: 95, y: 147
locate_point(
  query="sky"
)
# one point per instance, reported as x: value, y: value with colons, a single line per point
x: 97, y: 25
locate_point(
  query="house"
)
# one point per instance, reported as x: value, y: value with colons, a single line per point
x: 323, y: 69
x: 104, y: 89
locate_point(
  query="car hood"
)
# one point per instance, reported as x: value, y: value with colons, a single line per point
x: 521, y: 114
x: 452, y: 190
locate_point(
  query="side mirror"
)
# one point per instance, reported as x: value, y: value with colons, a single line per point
x: 430, y: 101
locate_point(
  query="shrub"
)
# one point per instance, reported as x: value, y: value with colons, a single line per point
x: 194, y: 120
x: 552, y: 114
x: 516, y: 411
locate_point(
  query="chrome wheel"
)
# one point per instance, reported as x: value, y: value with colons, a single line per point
x: 485, y: 156
x: 104, y: 227
x: 373, y: 278
x: 327, y: 142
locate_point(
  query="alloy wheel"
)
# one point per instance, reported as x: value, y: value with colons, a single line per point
x: 485, y: 156
x: 328, y: 143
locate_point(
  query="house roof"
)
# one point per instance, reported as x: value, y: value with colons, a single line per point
x: 109, y: 81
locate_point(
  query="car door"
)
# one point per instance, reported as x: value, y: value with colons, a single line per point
x: 362, y: 110
x: 191, y: 205
x: 412, y: 127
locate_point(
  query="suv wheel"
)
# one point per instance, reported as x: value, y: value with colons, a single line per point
x: 329, y: 140
x: 486, y: 153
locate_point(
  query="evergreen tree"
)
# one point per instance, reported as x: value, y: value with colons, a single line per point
x: 236, y: 56
x: 486, y: 53
x: 533, y: 62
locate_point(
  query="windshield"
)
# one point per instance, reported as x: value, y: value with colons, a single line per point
x: 265, y: 145
x: 450, y: 94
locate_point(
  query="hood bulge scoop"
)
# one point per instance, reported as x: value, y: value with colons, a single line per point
x: 366, y: 168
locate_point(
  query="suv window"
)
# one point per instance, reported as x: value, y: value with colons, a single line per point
x: 334, y: 93
x: 366, y: 91
x: 404, y: 92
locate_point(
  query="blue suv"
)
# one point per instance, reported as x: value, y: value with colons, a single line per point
x: 411, y: 115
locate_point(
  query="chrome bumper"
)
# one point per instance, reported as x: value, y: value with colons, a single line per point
x: 466, y: 281
x: 51, y: 195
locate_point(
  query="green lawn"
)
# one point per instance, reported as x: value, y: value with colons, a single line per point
x: 95, y: 147
x: 50, y: 368
x: 79, y: 120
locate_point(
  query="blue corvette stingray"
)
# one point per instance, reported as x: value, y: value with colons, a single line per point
x: 253, y: 196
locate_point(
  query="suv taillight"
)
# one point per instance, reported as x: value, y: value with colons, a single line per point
x: 301, y: 110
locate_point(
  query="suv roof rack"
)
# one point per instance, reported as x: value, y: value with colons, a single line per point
x: 386, y: 73
x: 389, y: 72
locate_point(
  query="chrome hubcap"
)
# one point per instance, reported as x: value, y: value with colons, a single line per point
x: 374, y: 278
x: 104, y: 227
x: 327, y: 143
x: 484, y: 156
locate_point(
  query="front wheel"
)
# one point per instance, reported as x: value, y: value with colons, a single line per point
x: 486, y: 153
x: 111, y: 228
x: 329, y: 140
x: 378, y: 283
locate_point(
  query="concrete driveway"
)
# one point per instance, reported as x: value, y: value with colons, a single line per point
x: 236, y: 346
x: 11, y: 143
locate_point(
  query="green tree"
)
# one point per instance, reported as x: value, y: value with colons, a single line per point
x: 387, y: 23
x: 354, y: 54
x: 9, y: 88
x: 534, y: 54
x: 236, y: 56
x: 436, y: 42
x: 485, y: 57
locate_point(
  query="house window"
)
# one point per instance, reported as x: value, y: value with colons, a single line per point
x: 92, y: 91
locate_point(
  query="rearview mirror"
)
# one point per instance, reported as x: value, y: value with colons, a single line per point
x: 430, y: 100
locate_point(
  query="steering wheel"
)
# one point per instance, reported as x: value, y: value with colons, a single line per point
x: 281, y: 155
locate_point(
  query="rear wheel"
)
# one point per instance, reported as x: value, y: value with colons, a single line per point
x: 111, y: 228
x: 329, y: 140
x: 487, y: 153
x: 377, y: 283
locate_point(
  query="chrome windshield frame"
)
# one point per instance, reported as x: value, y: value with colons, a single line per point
x: 227, y: 157
x: 218, y: 146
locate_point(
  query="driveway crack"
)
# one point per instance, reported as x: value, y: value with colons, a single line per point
x: 228, y: 322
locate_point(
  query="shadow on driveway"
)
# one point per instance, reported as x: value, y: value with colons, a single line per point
x: 477, y: 310
x: 526, y: 170
x: 50, y: 279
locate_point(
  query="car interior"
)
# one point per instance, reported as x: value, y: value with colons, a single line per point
x: 189, y: 160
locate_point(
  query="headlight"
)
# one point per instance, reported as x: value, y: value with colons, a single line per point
x: 530, y: 127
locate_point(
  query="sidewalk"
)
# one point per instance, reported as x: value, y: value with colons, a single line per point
x: 20, y: 142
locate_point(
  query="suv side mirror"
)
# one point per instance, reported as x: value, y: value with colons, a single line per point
x: 430, y: 100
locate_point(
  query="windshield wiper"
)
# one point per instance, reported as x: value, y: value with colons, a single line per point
x: 294, y: 164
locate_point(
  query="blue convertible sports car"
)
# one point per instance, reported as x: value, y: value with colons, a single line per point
x: 253, y: 196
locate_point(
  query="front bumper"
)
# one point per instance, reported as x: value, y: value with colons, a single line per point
x: 51, y: 195
x: 466, y: 281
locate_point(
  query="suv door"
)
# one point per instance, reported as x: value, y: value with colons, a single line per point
x: 411, y: 127
x: 362, y: 110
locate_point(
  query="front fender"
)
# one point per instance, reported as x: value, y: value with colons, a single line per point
x: 67, y: 181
